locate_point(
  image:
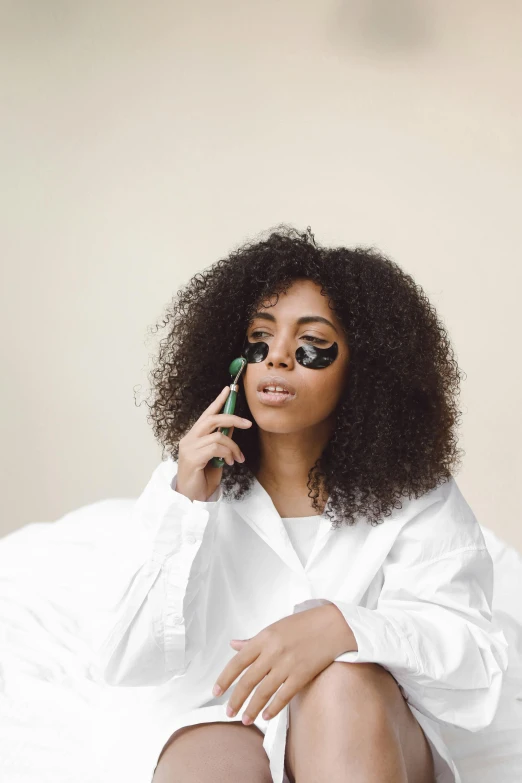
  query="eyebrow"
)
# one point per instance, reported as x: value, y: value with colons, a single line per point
x: 304, y: 319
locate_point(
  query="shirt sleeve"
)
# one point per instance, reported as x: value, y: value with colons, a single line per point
x: 432, y: 628
x: 158, y: 622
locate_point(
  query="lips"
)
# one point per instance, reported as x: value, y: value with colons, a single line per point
x: 276, y: 380
x: 275, y: 398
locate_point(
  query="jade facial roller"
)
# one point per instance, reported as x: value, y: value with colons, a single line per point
x: 236, y: 368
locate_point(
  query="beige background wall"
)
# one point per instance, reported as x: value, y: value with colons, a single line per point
x: 142, y: 141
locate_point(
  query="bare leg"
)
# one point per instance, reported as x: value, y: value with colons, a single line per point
x: 352, y: 723
x: 216, y: 752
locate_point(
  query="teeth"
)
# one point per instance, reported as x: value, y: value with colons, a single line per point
x: 275, y: 388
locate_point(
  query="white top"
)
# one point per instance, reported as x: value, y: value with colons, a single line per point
x: 416, y: 591
x: 302, y: 532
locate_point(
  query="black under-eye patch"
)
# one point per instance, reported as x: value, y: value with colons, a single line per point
x: 310, y: 356
x: 316, y: 358
x: 254, y: 352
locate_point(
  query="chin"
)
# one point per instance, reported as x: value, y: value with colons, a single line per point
x: 277, y: 423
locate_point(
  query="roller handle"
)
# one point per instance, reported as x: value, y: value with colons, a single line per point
x: 229, y: 407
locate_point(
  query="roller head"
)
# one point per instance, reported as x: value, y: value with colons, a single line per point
x: 237, y: 366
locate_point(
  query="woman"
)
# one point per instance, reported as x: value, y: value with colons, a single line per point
x: 330, y: 580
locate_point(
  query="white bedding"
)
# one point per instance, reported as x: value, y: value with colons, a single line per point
x: 59, y: 724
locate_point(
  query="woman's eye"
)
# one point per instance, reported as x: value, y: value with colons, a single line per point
x: 317, y: 340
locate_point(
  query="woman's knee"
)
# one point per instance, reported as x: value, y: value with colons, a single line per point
x: 365, y: 686
x: 363, y: 699
x: 362, y: 703
x: 217, y: 751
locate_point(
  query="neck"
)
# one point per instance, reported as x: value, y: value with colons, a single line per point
x: 285, y: 461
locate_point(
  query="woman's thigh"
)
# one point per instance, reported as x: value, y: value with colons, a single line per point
x: 344, y: 700
x: 216, y: 752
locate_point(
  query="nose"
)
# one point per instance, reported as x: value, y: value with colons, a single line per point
x: 279, y: 353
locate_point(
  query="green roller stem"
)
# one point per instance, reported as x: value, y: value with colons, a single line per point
x: 229, y: 407
x: 236, y: 368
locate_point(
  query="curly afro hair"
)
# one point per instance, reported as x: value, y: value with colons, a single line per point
x: 394, y: 431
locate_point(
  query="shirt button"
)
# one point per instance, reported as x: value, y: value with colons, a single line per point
x: 178, y: 619
x: 191, y: 538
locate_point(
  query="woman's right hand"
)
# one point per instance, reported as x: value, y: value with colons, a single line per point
x: 196, y: 478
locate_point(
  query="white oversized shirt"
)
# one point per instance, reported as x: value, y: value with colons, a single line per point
x: 416, y: 591
x: 302, y: 532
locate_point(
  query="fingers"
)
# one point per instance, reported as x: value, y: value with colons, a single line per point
x: 208, y: 439
x: 269, y: 685
x: 225, y: 420
x: 265, y: 684
x: 216, y: 405
x: 227, y: 448
x: 285, y: 694
x: 236, y: 665
x: 211, y: 418
x: 197, y: 476
x: 268, y: 680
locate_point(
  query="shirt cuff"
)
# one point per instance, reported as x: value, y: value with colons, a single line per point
x: 183, y: 522
x: 212, y: 500
x: 378, y: 639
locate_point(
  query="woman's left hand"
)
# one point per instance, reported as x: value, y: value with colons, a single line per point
x: 287, y: 654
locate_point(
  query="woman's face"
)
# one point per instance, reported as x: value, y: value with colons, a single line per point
x: 316, y: 378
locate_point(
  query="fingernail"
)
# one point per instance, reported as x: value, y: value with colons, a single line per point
x: 247, y: 421
x: 216, y: 690
x: 230, y: 712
